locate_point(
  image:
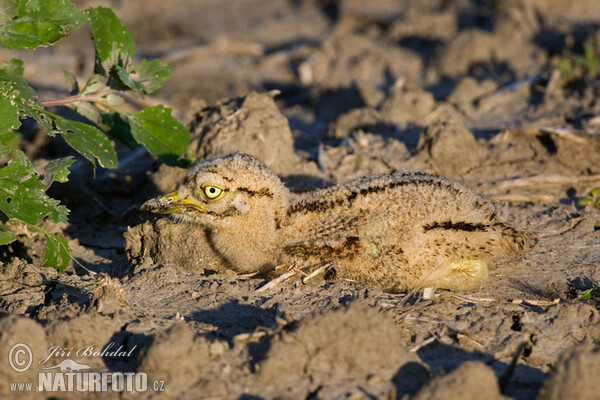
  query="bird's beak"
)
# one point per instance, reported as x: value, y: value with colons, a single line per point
x: 171, y: 204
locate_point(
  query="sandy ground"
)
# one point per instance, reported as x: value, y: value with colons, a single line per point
x: 324, y: 91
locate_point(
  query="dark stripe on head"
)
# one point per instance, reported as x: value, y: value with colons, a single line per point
x: 264, y: 192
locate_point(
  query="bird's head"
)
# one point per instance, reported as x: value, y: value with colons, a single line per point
x: 220, y: 191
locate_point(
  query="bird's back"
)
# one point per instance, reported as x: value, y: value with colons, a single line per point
x: 400, y: 230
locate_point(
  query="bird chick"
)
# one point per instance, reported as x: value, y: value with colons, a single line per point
x: 394, y: 231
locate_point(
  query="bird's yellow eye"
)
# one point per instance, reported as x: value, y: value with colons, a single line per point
x: 212, y: 192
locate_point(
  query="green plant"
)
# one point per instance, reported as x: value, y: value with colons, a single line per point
x: 587, y: 63
x: 28, y: 24
x: 593, y: 198
x: 587, y: 294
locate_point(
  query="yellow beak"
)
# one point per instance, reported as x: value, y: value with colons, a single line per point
x: 171, y: 204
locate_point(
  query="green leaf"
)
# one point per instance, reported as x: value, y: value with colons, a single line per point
x: 9, y: 121
x: 592, y: 197
x: 148, y: 76
x: 24, y: 197
x: 94, y: 84
x: 6, y: 235
x: 88, y: 141
x: 32, y: 23
x: 57, y: 253
x: 10, y: 115
x: 114, y: 44
x: 19, y: 94
x: 118, y: 128
x: 587, y: 294
x: 87, y: 110
x: 8, y: 143
x: 14, y: 66
x: 160, y: 133
x: 57, y: 170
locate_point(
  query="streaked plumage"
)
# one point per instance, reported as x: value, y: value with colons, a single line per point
x: 394, y: 231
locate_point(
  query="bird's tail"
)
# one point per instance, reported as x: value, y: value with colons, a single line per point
x: 515, y: 241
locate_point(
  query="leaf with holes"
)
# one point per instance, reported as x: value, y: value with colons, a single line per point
x: 9, y: 122
x: 27, y: 24
x: 88, y: 141
x: 57, y: 253
x: 163, y: 136
x: 24, y: 197
x: 148, y: 76
x: 20, y: 95
x: 114, y: 44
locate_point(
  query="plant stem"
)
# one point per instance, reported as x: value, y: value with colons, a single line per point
x: 62, y: 101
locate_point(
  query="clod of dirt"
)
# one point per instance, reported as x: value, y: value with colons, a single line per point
x: 82, y: 331
x: 407, y: 106
x: 358, y: 61
x: 468, y: 90
x: 423, y: 24
x: 575, y: 375
x: 14, y: 330
x: 469, y: 47
x: 575, y: 323
x: 470, y: 381
x: 168, y: 243
x: 363, y: 154
x: 366, y: 119
x: 251, y: 124
x: 108, y: 296
x: 526, y: 148
x: 345, y: 345
x: 182, y: 360
x: 254, y: 125
x: 21, y: 286
x: 449, y: 144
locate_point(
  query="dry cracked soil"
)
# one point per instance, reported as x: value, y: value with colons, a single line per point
x: 324, y: 91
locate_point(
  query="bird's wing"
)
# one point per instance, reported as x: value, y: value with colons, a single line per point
x: 326, y: 236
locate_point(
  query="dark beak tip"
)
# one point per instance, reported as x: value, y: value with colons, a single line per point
x: 150, y: 205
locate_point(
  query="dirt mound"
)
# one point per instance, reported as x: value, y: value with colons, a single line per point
x: 470, y: 381
x: 165, y: 242
x: 575, y: 375
x: 184, y: 361
x: 16, y: 332
x: 314, y: 352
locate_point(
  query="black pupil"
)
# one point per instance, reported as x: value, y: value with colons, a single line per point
x: 212, y: 190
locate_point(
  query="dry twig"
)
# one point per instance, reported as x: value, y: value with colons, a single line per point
x: 527, y: 302
x: 275, y: 282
